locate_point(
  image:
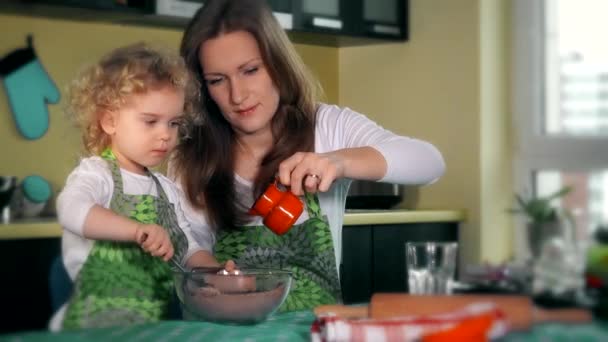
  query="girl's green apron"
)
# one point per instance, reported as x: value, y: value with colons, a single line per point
x: 119, y: 283
x: 306, y: 249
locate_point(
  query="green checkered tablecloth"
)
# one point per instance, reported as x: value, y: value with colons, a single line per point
x: 293, y: 326
x: 554, y: 332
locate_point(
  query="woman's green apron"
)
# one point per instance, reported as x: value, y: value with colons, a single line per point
x: 306, y: 249
x: 119, y: 283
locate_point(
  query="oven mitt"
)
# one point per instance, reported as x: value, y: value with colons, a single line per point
x: 29, y: 88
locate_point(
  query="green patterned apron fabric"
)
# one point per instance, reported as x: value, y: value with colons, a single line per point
x: 306, y: 250
x: 119, y: 283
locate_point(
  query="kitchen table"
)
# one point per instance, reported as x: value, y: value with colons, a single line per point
x: 293, y: 326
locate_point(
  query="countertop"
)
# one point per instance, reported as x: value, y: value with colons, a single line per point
x: 35, y: 228
x: 49, y: 228
x: 366, y: 217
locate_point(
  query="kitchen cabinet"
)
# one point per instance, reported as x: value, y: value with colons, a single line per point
x: 139, y: 6
x: 315, y: 22
x: 373, y: 255
x: 281, y: 6
x: 24, y: 294
x: 382, y: 19
x: 329, y: 16
x: 27, y: 249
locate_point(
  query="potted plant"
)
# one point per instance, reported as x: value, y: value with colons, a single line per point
x: 543, y: 219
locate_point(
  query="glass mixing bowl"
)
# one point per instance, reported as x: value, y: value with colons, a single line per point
x: 247, y: 296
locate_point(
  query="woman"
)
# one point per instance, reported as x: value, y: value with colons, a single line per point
x: 261, y: 120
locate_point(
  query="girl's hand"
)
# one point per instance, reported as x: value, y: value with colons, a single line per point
x: 155, y: 240
x: 311, y: 172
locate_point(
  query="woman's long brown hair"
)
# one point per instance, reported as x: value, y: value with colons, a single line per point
x: 205, y: 162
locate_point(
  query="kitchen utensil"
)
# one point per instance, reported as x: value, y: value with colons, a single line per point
x: 7, y: 187
x: 179, y: 265
x: 519, y: 311
x: 32, y: 196
x: 173, y: 260
x: 279, y: 207
x: 247, y: 296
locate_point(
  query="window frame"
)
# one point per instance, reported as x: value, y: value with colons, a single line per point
x: 532, y: 149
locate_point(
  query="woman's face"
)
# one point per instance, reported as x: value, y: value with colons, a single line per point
x: 239, y: 83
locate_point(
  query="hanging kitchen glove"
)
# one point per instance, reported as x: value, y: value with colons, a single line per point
x: 29, y: 88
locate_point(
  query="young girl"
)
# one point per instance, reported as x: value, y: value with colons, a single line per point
x: 123, y: 222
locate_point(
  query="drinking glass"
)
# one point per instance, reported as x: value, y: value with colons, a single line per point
x: 430, y: 266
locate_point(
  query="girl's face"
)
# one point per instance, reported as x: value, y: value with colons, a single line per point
x: 239, y: 83
x: 145, y: 130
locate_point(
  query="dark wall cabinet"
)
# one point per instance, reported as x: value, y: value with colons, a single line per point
x: 135, y: 6
x: 319, y: 22
x: 373, y: 256
x: 384, y: 19
x: 25, y: 291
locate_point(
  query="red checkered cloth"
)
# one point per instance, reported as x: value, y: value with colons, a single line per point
x: 475, y: 322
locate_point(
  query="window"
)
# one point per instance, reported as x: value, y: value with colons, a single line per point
x: 560, y: 104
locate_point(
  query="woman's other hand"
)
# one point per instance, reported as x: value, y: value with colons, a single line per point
x: 155, y: 240
x: 230, y: 266
x: 311, y: 172
x: 202, y: 258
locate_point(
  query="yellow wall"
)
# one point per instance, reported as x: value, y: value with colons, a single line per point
x: 63, y: 48
x: 446, y: 85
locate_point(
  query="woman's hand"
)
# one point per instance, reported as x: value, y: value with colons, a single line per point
x: 315, y: 172
x: 155, y: 240
x: 311, y: 172
x: 202, y: 259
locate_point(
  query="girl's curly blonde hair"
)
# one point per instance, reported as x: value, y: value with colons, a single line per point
x: 109, y: 84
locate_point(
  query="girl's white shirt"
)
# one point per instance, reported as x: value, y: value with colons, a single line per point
x: 91, y: 183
